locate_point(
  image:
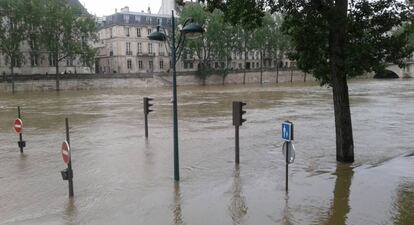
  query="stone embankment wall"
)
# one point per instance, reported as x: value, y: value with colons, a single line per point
x: 98, y: 81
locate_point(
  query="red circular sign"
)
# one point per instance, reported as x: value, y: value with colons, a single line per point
x: 18, y: 125
x: 65, y: 152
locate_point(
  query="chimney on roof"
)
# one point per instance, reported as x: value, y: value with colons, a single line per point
x: 116, y: 10
x: 149, y: 10
x: 125, y: 9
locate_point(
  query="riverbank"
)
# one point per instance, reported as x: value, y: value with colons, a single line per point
x: 148, y: 80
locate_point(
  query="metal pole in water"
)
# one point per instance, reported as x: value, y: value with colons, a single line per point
x: 287, y: 165
x: 20, y: 134
x: 146, y: 125
x: 237, y: 154
x: 70, y: 172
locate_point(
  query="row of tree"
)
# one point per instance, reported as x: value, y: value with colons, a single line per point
x: 222, y: 39
x: 59, y: 28
x: 335, y: 40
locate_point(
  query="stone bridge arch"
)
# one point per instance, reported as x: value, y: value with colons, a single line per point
x: 394, y: 71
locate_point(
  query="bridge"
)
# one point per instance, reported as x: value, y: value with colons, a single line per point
x: 394, y: 71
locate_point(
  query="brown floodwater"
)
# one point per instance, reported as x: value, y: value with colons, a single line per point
x: 122, y: 178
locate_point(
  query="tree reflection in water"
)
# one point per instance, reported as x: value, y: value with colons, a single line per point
x: 340, y: 205
x: 405, y: 205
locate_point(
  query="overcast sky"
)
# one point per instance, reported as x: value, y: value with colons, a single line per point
x: 107, y: 7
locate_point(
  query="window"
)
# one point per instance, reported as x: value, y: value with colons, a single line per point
x: 140, y: 65
x: 150, y: 48
x: 138, y: 32
x: 126, y: 29
x: 52, y: 60
x: 110, y: 32
x: 33, y: 45
x: 138, y: 18
x: 161, y: 48
x: 34, y: 60
x: 139, y: 48
x: 129, y: 64
x: 69, y: 62
x: 128, y: 48
x: 149, y: 31
x: 151, y: 65
x: 161, y: 64
x: 148, y: 19
x: 126, y: 18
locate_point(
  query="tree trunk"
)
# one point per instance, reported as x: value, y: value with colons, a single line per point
x: 57, y: 76
x: 12, y: 76
x: 261, y: 67
x: 245, y: 64
x: 277, y: 71
x: 343, y: 124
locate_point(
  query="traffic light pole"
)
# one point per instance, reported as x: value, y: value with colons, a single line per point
x: 237, y: 122
x: 146, y: 125
x: 147, y: 110
x: 237, y: 150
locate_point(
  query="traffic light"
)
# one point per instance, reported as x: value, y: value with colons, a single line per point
x: 238, y: 113
x: 147, y: 105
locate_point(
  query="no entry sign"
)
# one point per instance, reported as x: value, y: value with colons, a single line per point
x: 65, y: 152
x: 18, y: 125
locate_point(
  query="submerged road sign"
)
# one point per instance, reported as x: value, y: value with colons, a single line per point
x: 65, y: 152
x: 287, y: 131
x: 291, y: 151
x: 18, y: 125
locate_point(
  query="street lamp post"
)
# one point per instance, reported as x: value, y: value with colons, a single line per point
x: 190, y: 29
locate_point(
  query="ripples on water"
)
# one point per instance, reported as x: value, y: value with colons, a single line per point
x: 121, y: 178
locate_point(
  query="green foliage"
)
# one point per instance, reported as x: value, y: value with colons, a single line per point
x: 12, y: 30
x: 370, y: 42
x: 245, y: 13
x: 65, y: 31
x: 216, y: 42
x: 56, y: 26
x: 221, y: 38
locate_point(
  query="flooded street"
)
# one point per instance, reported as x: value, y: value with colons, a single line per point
x: 122, y: 178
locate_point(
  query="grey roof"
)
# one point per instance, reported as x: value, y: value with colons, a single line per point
x: 136, y: 19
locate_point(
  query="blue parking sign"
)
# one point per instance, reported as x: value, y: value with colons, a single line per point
x: 287, y: 131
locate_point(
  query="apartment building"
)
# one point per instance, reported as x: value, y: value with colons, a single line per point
x: 123, y: 45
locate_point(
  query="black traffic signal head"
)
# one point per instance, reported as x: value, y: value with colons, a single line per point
x: 238, y: 113
x: 147, y: 105
x: 242, y: 112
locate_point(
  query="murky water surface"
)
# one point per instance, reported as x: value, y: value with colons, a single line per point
x: 121, y: 178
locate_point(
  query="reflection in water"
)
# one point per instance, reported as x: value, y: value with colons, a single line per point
x: 287, y: 215
x: 405, y: 205
x: 238, y: 208
x: 23, y: 162
x: 178, y: 217
x: 340, y: 206
x: 70, y: 212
